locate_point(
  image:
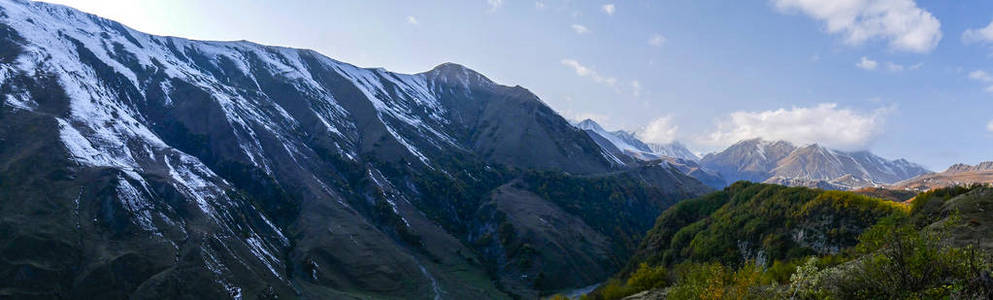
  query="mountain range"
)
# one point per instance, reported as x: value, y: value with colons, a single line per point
x: 624, y: 148
x: 134, y: 165
x: 758, y: 160
x: 812, y: 165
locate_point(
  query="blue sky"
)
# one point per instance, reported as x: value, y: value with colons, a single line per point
x: 899, y: 77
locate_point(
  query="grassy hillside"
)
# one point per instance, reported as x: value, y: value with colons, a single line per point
x: 761, y: 241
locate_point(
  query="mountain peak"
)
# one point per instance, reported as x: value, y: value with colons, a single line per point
x: 960, y: 168
x: 756, y: 140
x: 589, y: 124
x: 815, y: 147
x: 455, y: 73
x: 449, y: 66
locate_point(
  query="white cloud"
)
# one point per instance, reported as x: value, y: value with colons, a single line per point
x: 867, y: 64
x: 584, y: 71
x: 979, y: 35
x: 609, y: 9
x: 989, y: 126
x: 609, y: 81
x: 580, y: 29
x: 983, y: 77
x: 980, y: 75
x: 826, y: 124
x: 580, y: 69
x: 636, y: 88
x: 902, y: 23
x: 656, y: 40
x: 539, y: 5
x: 895, y: 67
x: 412, y: 20
x: 660, y: 131
x: 494, y: 4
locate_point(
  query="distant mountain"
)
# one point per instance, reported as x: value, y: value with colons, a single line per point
x: 813, y: 165
x: 750, y: 160
x: 626, y: 149
x: 626, y: 142
x: 674, y: 149
x: 958, y: 174
x: 692, y: 168
x: 142, y: 166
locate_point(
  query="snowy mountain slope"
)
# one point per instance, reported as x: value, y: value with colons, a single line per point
x: 623, y: 141
x: 630, y: 144
x: 674, y: 149
x: 241, y: 170
x: 625, y: 149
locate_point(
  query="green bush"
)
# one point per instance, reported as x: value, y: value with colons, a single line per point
x: 926, y: 207
x: 647, y: 278
x: 897, y: 261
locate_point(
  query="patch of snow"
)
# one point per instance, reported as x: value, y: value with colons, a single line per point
x: 137, y: 205
x: 262, y: 253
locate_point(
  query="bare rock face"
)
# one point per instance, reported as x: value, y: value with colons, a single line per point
x: 141, y: 166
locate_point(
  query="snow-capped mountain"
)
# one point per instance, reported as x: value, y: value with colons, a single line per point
x: 631, y: 144
x: 674, y: 149
x: 149, y: 165
x: 748, y: 160
x: 620, y: 139
x: 625, y: 148
x: 811, y: 165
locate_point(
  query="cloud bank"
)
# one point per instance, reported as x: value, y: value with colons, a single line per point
x: 826, y: 124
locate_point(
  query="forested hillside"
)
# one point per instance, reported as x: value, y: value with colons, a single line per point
x: 760, y: 241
